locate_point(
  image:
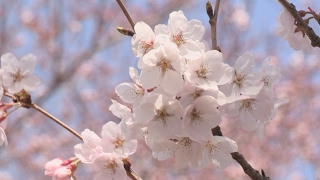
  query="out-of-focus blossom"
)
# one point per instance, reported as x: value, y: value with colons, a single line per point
x: 17, y: 75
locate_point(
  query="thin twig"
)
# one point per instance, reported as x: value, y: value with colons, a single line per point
x: 36, y: 107
x: 315, y: 40
x: 123, y: 8
x: 213, y: 18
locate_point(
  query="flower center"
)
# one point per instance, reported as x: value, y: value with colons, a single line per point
x: 248, y: 104
x: 146, y: 46
x: 197, y: 94
x: 238, y: 78
x: 164, y: 65
x: 110, y: 166
x: 118, y: 141
x: 195, y: 116
x: 16, y: 76
x: 178, y: 38
x: 162, y: 115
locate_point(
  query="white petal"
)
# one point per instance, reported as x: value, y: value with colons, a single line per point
x: 172, y: 82
x: 31, y: 82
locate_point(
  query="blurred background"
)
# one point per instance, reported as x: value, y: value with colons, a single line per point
x: 82, y: 58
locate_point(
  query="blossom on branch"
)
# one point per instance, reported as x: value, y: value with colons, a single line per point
x: 17, y: 75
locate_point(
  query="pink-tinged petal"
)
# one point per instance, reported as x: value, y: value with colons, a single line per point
x: 31, y: 82
x: 27, y: 63
x: 7, y: 80
x: 15, y: 88
x: 110, y: 129
x: 195, y: 30
x: 134, y: 75
x: 9, y: 62
x: 172, y: 82
x: 128, y: 92
x: 190, y: 51
x: 244, y: 64
x: 150, y: 77
x: 159, y: 129
x: 176, y: 21
x: 248, y: 121
x: 161, y: 29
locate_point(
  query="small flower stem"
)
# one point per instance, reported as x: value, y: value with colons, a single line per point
x: 124, y: 10
x: 213, y: 18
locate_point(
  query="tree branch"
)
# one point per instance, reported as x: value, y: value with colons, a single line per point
x: 247, y: 168
x: 213, y: 18
x: 315, y: 40
x: 124, y: 10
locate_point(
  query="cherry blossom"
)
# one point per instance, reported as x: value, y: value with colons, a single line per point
x: 209, y: 70
x: 250, y: 110
x: 142, y: 41
x: 162, y: 115
x: 217, y: 150
x: 293, y: 34
x: 270, y: 75
x: 200, y: 118
x: 163, y: 68
x: 90, y: 148
x: 108, y: 166
x: 113, y: 140
x: 17, y: 75
x: 185, y: 35
x: 243, y: 80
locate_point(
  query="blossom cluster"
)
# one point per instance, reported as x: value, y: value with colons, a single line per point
x: 183, y: 90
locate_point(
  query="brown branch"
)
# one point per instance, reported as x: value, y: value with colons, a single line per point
x: 36, y: 107
x: 247, y: 168
x: 213, y: 18
x: 315, y: 40
x: 124, y: 10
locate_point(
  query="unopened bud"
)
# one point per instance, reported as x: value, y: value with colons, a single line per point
x: 209, y: 10
x: 124, y: 31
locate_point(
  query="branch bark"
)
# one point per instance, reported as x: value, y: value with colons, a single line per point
x: 213, y: 18
x: 315, y: 40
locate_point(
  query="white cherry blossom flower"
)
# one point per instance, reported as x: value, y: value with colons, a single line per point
x: 90, y: 148
x: 142, y: 41
x: 187, y: 151
x: 217, y: 150
x: 251, y: 110
x: 17, y: 75
x: 162, y: 115
x: 209, y: 70
x: 163, y: 68
x: 113, y: 140
x: 185, y: 35
x: 243, y: 82
x: 132, y: 92
x: 108, y: 166
x: 200, y: 118
x: 293, y: 34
